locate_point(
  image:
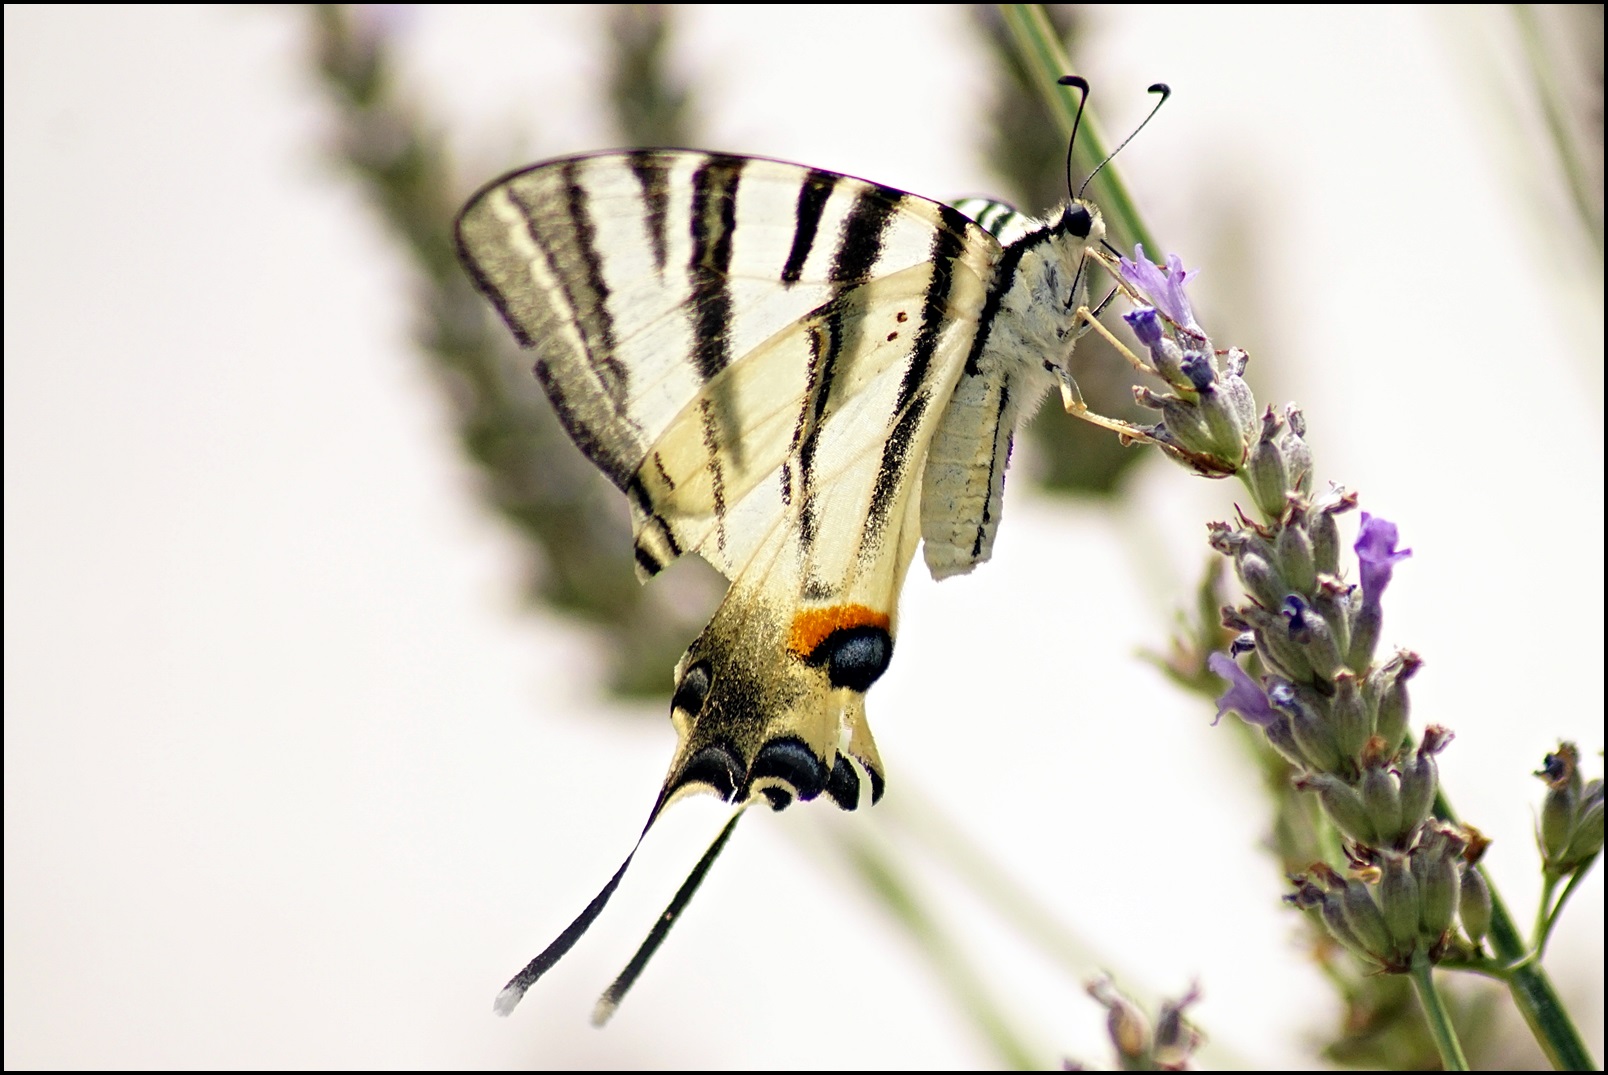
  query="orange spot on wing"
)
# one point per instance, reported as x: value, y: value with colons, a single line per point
x: 812, y: 626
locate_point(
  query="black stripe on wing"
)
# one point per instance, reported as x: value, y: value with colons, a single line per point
x: 714, y: 218
x: 812, y: 198
x: 652, y: 171
x: 948, y: 246
x: 996, y: 467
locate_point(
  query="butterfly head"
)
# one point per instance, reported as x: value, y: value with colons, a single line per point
x: 1080, y: 220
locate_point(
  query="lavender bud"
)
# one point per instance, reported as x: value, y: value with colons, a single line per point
x: 1557, y: 822
x: 1318, y: 640
x: 1176, y: 1039
x: 1367, y: 619
x: 1297, y: 454
x: 1168, y: 358
x: 1334, y: 916
x: 1420, y: 777
x: 1333, y: 600
x: 1382, y: 799
x: 1561, y: 769
x: 1365, y: 919
x: 1274, y: 646
x: 1260, y: 580
x: 1343, y: 804
x: 1348, y: 716
x: 1388, y: 689
x: 1125, y: 1023
x: 1282, y: 740
x: 1239, y: 395
x: 1197, y: 367
x: 1586, y: 839
x: 1293, y: 550
x: 1188, y: 426
x: 1266, y: 478
x: 1325, y: 535
x: 1439, y: 885
x: 1146, y: 323
x: 1310, y: 726
x: 1474, y: 905
x: 1398, y: 901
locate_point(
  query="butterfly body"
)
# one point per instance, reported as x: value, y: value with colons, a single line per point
x: 797, y: 375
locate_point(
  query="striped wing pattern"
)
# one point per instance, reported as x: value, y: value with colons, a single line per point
x: 758, y: 355
x: 771, y: 362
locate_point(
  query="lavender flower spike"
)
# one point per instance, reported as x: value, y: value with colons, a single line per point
x: 1244, y: 696
x: 1162, y: 288
x: 1377, y: 555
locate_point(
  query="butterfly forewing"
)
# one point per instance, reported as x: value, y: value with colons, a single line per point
x: 796, y: 375
x: 640, y: 278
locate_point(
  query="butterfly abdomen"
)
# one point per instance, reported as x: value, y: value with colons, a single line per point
x: 1028, y: 323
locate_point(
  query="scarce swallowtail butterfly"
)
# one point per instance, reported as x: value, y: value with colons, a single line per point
x: 796, y: 375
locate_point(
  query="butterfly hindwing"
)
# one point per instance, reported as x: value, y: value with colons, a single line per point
x: 758, y: 354
x: 797, y: 375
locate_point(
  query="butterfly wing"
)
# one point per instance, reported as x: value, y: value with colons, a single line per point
x: 758, y: 355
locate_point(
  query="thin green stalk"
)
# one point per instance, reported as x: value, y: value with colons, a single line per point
x: 1551, y: 97
x: 1440, y: 1021
x: 1543, y: 913
x: 1528, y: 983
x: 1045, y: 61
x: 880, y: 873
x: 1550, y: 919
x: 924, y: 819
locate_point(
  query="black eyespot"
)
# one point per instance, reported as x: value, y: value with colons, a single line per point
x: 855, y: 657
x: 1078, y: 221
x: 778, y: 798
x: 693, y: 690
x: 716, y: 765
x: 791, y: 761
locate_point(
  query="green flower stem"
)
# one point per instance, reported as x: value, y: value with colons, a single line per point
x: 1544, y: 918
x: 922, y: 819
x: 1044, y: 59
x: 1551, y: 96
x: 879, y: 872
x: 1529, y: 984
x: 1548, y: 919
x: 1440, y: 1022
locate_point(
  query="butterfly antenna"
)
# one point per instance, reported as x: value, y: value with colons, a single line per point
x: 1081, y: 84
x: 661, y: 929
x: 514, y: 991
x: 1161, y: 88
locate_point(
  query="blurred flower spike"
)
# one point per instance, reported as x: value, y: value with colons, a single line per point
x: 1570, y: 829
x: 1167, y: 1044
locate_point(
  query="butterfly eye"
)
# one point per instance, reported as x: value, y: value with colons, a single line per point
x: 855, y: 657
x: 1078, y: 221
x: 693, y: 690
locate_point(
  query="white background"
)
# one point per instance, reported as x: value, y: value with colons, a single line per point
x: 293, y: 780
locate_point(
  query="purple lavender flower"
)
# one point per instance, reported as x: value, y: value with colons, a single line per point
x: 1377, y: 555
x: 1145, y: 322
x: 1162, y: 288
x: 1244, y: 696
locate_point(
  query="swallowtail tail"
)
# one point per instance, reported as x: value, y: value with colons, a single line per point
x: 796, y: 375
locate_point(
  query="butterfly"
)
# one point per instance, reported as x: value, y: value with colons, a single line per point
x: 799, y: 376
